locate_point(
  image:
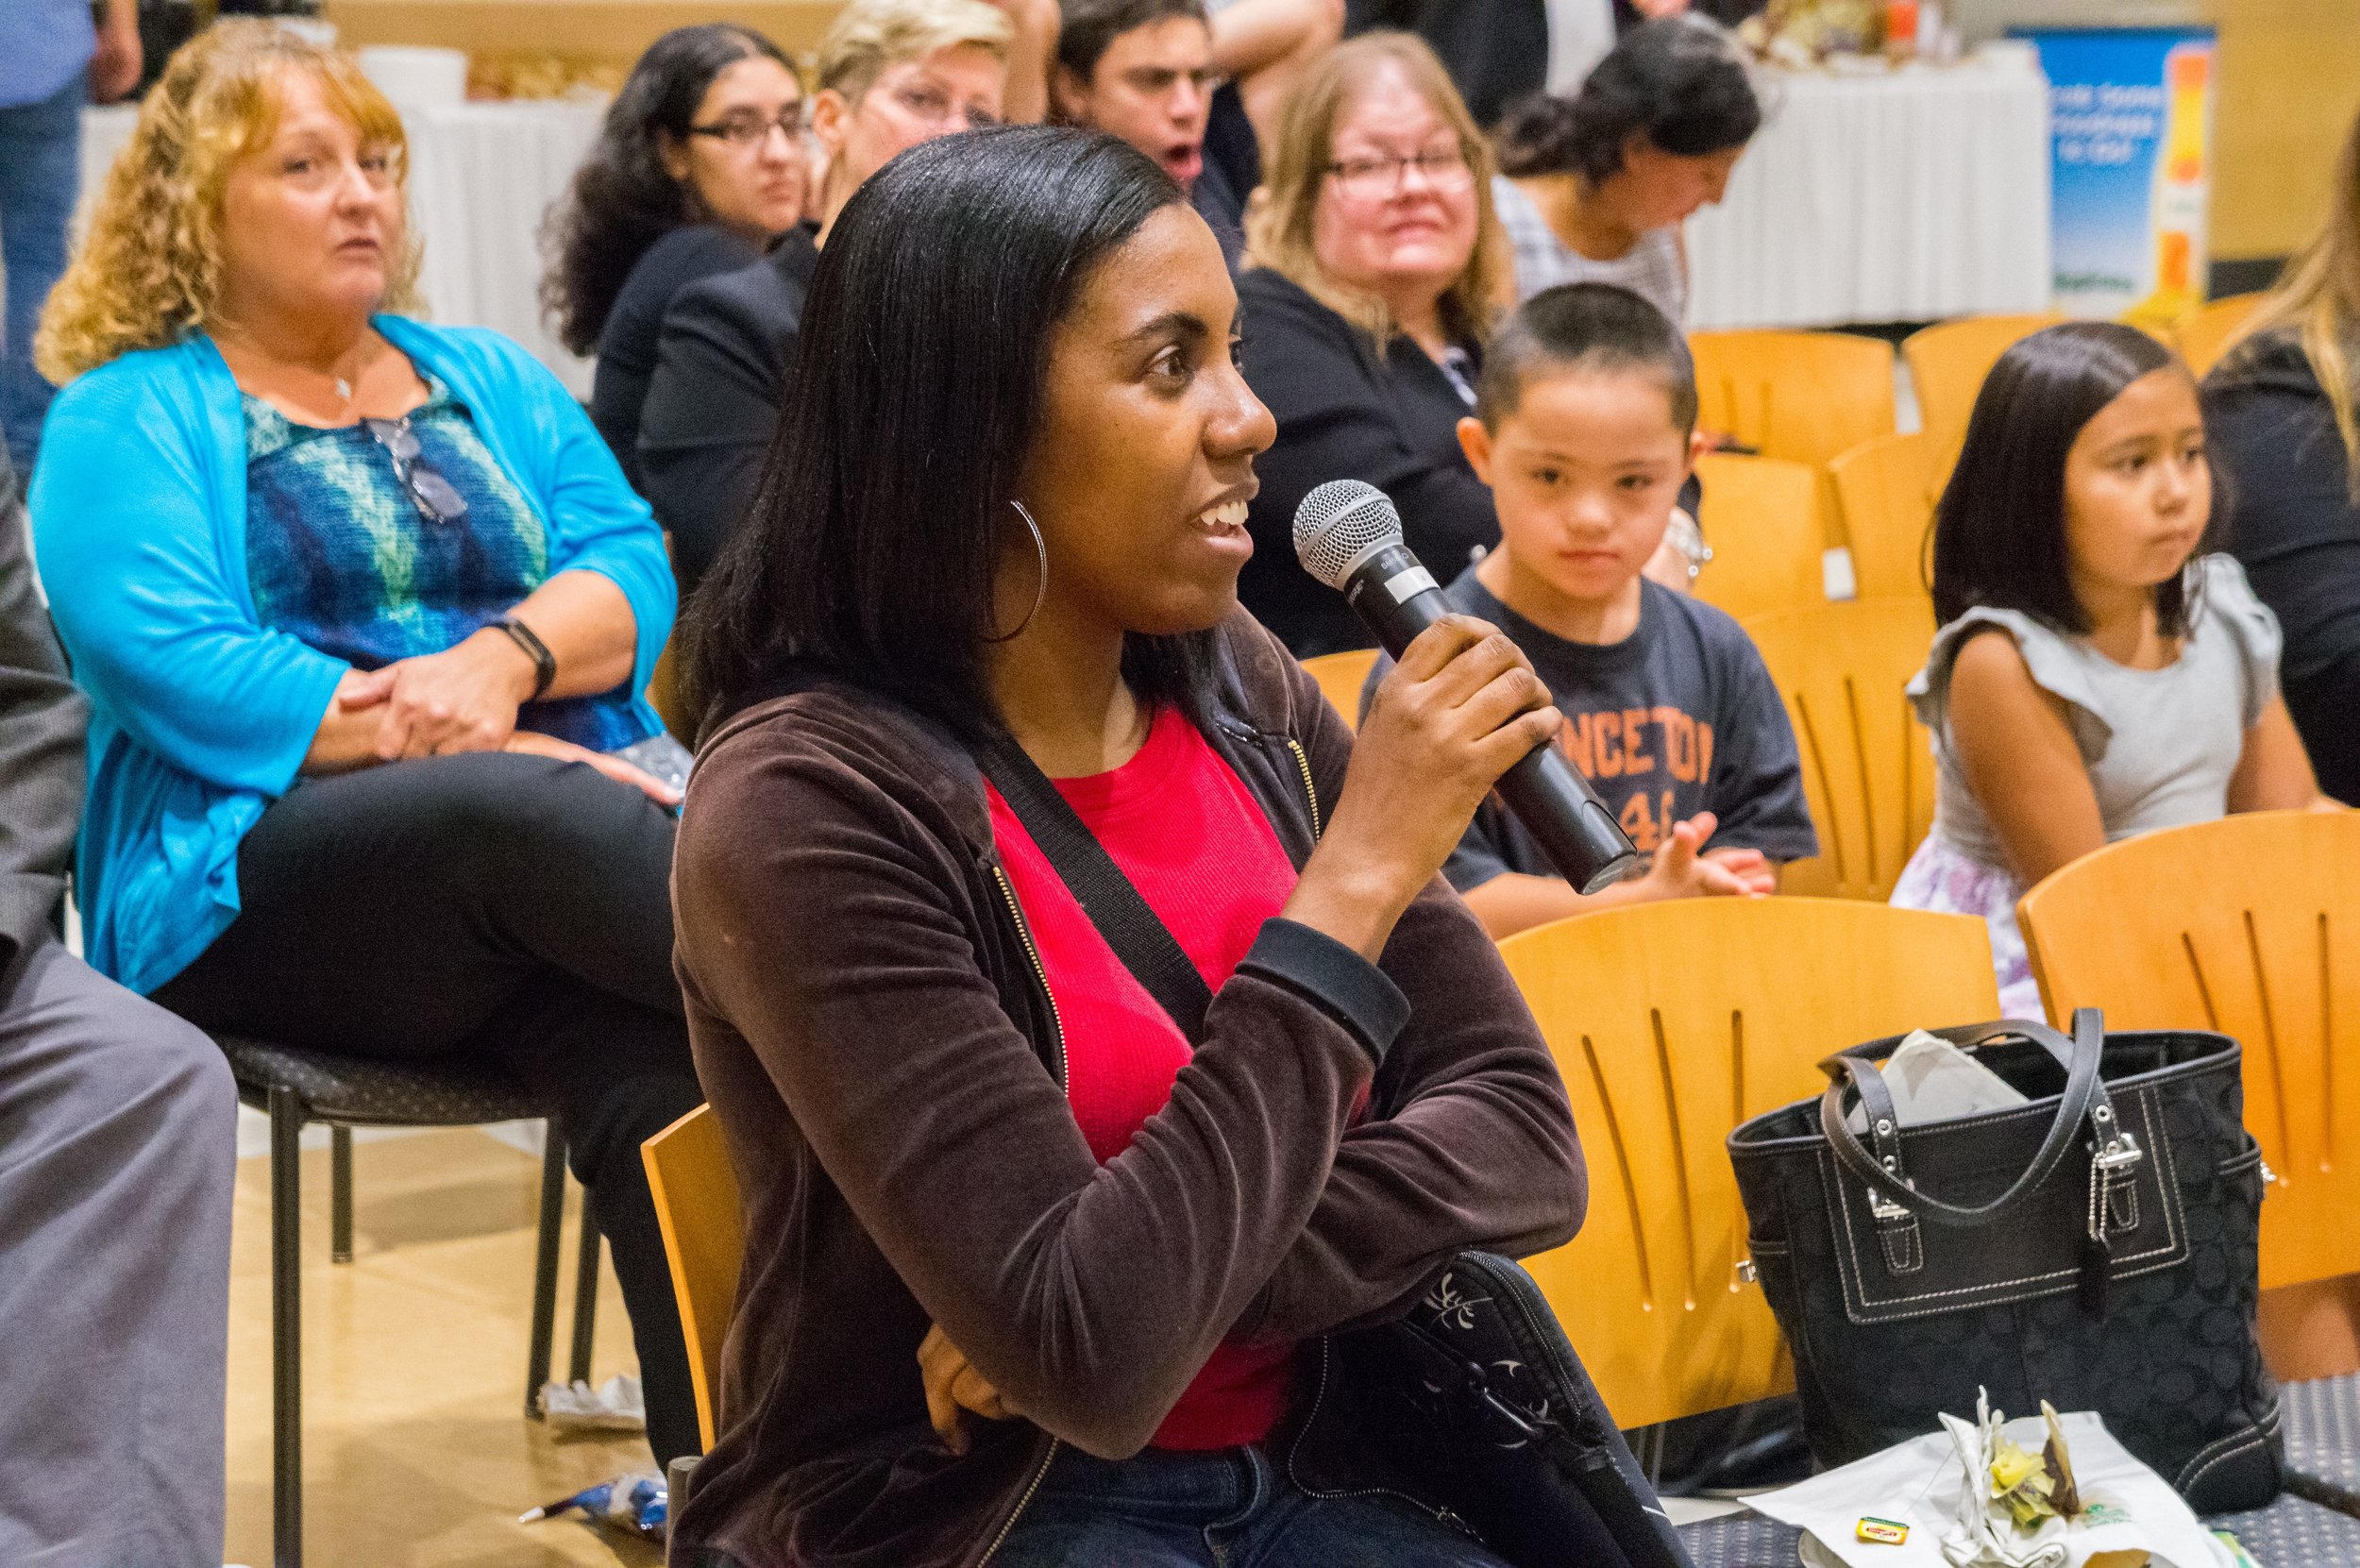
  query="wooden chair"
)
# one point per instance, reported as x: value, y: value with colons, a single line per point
x: 1341, y: 676
x: 704, y: 1238
x: 1948, y: 362
x: 1885, y: 493
x: 1800, y: 395
x: 1762, y: 520
x: 1671, y: 1023
x: 2249, y: 925
x: 2204, y: 337
x: 1868, y: 766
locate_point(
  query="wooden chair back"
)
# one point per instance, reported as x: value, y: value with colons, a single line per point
x: 2204, y: 337
x: 1884, y: 492
x: 1948, y: 362
x: 1341, y: 676
x: 1671, y: 1023
x: 2249, y: 925
x: 1763, y: 522
x: 704, y: 1240
x: 1800, y: 395
x: 1868, y: 766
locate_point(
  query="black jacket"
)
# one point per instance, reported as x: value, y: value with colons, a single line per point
x: 627, y: 343
x: 2285, y: 490
x: 720, y: 374
x: 43, y: 718
x: 1345, y: 413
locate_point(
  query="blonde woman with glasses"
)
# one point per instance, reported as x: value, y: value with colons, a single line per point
x: 362, y: 607
x: 1374, y: 269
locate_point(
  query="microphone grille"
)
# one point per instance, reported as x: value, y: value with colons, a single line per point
x: 1338, y: 523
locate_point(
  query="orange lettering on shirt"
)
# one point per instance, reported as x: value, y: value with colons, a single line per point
x: 1573, y: 738
x: 1635, y: 760
x: 1640, y: 823
x: 1704, y: 751
x: 1680, y: 743
x: 1606, y: 733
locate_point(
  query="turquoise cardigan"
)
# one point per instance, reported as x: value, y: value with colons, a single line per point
x: 200, y: 717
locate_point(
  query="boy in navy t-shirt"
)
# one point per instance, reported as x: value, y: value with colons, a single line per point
x: 1585, y: 430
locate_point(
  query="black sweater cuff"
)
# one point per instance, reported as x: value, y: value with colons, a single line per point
x: 1333, y: 978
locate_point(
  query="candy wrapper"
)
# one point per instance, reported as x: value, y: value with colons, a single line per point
x: 634, y: 1505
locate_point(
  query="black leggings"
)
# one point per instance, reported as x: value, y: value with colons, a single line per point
x: 504, y: 904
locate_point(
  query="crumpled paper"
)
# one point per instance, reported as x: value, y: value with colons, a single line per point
x: 615, y: 1406
x: 1982, y: 1534
x: 1923, y: 1483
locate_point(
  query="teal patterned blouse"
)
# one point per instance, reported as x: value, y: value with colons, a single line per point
x: 338, y: 554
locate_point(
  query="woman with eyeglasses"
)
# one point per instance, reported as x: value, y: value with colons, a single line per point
x: 892, y: 74
x: 363, y: 608
x: 1374, y: 269
x: 699, y: 166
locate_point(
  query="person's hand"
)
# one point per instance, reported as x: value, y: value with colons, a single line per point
x: 114, y: 67
x: 954, y: 1387
x: 464, y: 698
x: 1460, y: 708
x: 1684, y: 868
x: 533, y: 743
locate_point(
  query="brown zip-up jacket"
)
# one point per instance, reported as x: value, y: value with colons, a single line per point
x: 872, y: 1027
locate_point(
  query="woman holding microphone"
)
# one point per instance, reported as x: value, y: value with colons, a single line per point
x: 1029, y: 1279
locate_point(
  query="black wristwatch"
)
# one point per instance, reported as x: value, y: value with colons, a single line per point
x: 544, y: 662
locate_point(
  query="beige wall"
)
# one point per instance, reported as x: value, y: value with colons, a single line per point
x: 615, y: 30
x: 2289, y: 88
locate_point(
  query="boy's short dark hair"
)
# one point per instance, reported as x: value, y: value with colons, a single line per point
x: 1584, y: 327
x: 1091, y: 27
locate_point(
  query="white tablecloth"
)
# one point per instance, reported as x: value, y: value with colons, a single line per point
x: 481, y: 177
x: 1909, y: 196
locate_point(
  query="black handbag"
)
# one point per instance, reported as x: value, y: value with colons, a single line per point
x: 1472, y: 1403
x: 2094, y: 1247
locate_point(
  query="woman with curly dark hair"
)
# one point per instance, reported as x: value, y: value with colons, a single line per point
x: 700, y: 163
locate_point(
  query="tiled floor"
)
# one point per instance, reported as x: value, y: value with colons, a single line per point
x: 418, y: 1455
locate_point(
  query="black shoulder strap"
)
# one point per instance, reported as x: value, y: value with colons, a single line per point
x: 1138, y: 937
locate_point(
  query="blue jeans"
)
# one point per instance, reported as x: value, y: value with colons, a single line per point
x: 1230, y: 1509
x: 41, y: 171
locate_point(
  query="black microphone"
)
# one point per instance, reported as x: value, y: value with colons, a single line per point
x: 1348, y: 536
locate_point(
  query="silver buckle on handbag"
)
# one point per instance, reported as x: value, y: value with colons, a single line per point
x: 2114, y: 1195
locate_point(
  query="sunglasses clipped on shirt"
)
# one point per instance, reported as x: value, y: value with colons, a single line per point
x: 437, y: 499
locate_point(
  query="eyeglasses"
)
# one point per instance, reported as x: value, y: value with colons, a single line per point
x: 933, y: 106
x: 437, y: 499
x: 1379, y: 178
x: 746, y: 130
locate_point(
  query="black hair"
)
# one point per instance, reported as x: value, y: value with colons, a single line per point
x: 1584, y: 327
x: 1999, y: 530
x: 1091, y: 27
x: 915, y: 396
x: 1678, y: 81
x: 622, y: 199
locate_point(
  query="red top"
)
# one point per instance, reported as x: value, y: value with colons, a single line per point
x: 1193, y: 842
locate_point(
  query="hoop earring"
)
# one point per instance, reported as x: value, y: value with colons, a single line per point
x: 1040, y: 594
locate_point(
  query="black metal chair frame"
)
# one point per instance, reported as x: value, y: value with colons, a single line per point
x: 295, y: 1087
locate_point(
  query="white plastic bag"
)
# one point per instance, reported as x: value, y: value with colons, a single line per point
x: 1922, y: 1483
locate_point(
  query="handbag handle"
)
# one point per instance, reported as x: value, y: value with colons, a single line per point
x: 2084, y: 1099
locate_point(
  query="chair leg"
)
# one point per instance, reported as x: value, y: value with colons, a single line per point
x: 286, y: 1328
x: 544, y: 1269
x: 339, y: 1194
x: 585, y: 1293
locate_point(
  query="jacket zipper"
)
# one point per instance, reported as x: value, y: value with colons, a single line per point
x: 1310, y: 790
x: 1319, y: 1396
x: 1024, y: 935
x: 1041, y: 1474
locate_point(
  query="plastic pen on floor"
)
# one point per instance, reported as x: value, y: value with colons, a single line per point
x: 587, y: 1497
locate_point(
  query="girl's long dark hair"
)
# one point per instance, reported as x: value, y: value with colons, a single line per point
x: 622, y: 200
x: 1678, y: 81
x: 1999, y: 531
x: 915, y: 394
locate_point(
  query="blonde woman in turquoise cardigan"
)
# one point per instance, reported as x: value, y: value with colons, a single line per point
x: 363, y: 608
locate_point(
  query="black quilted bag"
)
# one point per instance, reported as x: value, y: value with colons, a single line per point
x: 2094, y: 1247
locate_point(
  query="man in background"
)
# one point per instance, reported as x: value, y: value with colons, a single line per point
x: 52, y: 61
